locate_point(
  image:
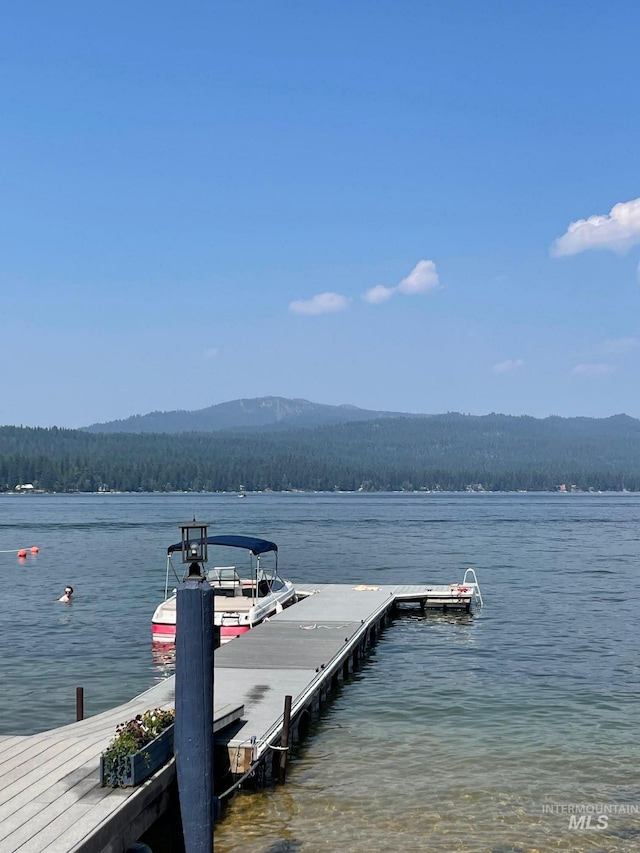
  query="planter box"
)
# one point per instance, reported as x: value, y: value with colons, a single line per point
x: 133, y: 769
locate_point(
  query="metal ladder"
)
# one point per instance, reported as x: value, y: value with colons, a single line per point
x: 474, y: 584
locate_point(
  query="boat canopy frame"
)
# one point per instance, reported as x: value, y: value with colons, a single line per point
x: 252, y: 544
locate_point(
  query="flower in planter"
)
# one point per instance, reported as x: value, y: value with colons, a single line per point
x: 131, y: 738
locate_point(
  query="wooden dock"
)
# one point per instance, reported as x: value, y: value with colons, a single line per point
x: 50, y: 794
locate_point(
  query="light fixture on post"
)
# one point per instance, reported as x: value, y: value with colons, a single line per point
x: 194, y: 547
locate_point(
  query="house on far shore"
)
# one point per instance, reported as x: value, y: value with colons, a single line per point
x: 27, y: 487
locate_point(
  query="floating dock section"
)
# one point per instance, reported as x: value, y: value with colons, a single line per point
x: 304, y: 652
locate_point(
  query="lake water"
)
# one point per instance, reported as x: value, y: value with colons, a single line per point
x: 458, y: 734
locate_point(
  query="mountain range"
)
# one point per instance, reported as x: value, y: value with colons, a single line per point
x: 269, y: 414
x: 260, y: 413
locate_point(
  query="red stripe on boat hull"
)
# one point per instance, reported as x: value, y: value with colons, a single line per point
x: 230, y: 633
x: 167, y: 633
x: 163, y: 633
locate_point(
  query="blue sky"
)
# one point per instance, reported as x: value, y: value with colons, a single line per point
x: 397, y: 204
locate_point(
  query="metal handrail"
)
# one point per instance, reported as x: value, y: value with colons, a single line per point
x: 474, y: 583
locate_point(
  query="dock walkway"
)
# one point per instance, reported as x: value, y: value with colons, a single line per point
x: 50, y: 794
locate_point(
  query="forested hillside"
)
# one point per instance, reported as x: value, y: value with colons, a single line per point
x: 451, y: 452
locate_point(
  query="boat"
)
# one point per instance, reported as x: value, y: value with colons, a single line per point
x: 241, y: 601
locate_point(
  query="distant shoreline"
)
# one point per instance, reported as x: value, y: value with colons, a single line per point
x: 114, y: 493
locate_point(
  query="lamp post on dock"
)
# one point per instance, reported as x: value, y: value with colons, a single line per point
x: 194, y: 694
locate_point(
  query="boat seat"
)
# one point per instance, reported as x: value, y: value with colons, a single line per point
x: 264, y: 587
x: 223, y: 575
x: 225, y: 591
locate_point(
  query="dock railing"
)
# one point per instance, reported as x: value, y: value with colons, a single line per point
x: 471, y: 573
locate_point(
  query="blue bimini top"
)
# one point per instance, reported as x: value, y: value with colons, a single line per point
x: 250, y: 543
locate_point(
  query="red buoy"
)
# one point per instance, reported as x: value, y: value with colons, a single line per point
x: 22, y: 553
x: 34, y: 549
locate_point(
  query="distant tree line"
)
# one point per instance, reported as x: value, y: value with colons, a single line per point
x: 449, y: 452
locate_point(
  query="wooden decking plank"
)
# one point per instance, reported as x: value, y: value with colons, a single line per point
x: 25, y: 745
x: 28, y: 819
x: 42, y: 763
x: 40, y: 813
x: 75, y: 814
x: 40, y: 778
x: 94, y: 826
x: 8, y: 741
x: 20, y: 753
x: 43, y: 828
x: 23, y: 798
x: 36, y: 746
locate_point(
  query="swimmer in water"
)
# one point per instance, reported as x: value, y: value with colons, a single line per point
x: 68, y: 595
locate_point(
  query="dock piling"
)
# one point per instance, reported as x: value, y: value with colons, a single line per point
x: 284, y: 740
x: 194, y: 711
x: 79, y: 704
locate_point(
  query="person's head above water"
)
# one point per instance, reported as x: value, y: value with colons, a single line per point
x: 68, y: 594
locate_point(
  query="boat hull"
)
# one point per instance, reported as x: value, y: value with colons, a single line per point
x: 230, y: 622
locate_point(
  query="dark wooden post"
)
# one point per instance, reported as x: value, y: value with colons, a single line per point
x: 194, y: 711
x: 79, y: 704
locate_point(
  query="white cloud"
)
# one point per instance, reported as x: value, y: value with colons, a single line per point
x: 618, y: 230
x: 508, y: 366
x: 593, y: 371
x: 620, y: 345
x: 422, y: 278
x: 378, y: 294
x: 322, y: 303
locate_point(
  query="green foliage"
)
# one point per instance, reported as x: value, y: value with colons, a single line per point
x: 130, y: 738
x: 448, y: 452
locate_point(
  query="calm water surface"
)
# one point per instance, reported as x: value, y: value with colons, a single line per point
x: 455, y: 734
